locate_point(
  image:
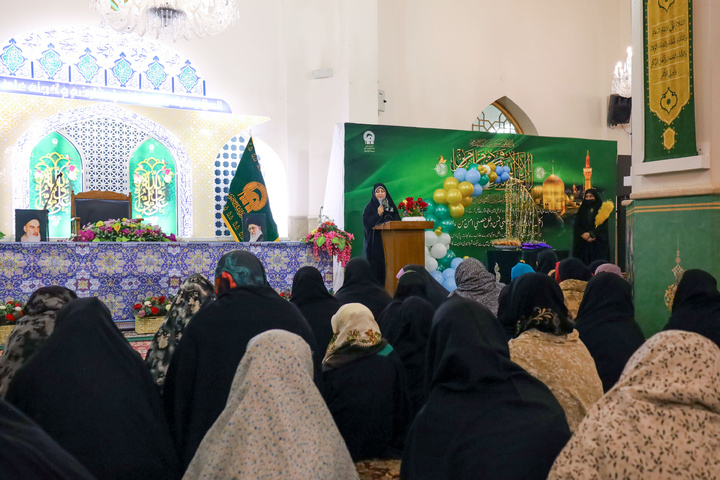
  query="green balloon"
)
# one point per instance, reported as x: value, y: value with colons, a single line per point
x: 447, y: 224
x: 483, y: 180
x: 432, y: 218
x: 430, y: 208
x: 442, y: 212
x: 472, y: 166
x: 445, y: 262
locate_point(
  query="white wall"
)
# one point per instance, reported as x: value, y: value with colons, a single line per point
x: 440, y: 64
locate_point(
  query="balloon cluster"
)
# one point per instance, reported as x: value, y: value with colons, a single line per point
x: 449, y: 203
x: 458, y: 191
x: 446, y: 278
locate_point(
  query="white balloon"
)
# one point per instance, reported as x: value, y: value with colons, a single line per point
x: 430, y: 263
x: 430, y: 239
x: 444, y: 239
x: 438, y: 250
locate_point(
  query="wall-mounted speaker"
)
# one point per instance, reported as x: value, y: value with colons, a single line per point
x: 619, y: 110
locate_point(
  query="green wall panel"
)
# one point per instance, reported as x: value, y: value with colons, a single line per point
x: 657, y: 230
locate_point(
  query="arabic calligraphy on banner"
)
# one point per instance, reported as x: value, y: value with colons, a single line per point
x: 669, y: 84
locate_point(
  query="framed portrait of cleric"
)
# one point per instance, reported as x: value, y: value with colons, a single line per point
x: 31, y: 225
x: 253, y: 227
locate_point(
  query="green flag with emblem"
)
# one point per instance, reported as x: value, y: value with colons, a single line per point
x: 248, y: 196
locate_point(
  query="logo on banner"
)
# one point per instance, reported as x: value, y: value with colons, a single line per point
x: 369, y: 138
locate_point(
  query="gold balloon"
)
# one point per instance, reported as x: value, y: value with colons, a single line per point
x: 457, y: 210
x: 484, y: 169
x: 491, y: 166
x: 440, y: 196
x: 438, y: 231
x: 454, y: 196
x: 492, y: 176
x: 466, y: 188
x: 466, y: 202
x: 450, y: 182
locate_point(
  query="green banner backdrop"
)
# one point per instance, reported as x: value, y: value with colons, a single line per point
x: 413, y: 162
x: 668, y: 63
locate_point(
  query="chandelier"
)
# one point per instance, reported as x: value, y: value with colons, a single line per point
x: 168, y: 19
x: 622, y: 78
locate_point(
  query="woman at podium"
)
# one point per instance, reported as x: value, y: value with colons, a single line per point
x: 380, y: 209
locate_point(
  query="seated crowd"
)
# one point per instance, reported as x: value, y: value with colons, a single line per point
x: 548, y: 376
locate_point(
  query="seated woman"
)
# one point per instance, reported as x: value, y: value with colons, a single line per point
x: 474, y: 281
x: 275, y: 423
x: 203, y: 366
x: 27, y: 452
x: 363, y: 385
x: 405, y: 323
x: 696, y: 306
x: 572, y: 275
x: 545, y: 261
x: 606, y: 324
x: 91, y: 392
x: 435, y: 293
x: 550, y: 349
x: 316, y: 304
x: 661, y: 420
x: 32, y: 330
x: 194, y: 292
x: 485, y: 417
x: 361, y: 287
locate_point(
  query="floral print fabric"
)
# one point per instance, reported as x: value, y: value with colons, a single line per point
x: 276, y: 424
x: 355, y: 332
x: 661, y: 420
x: 195, y: 291
x: 563, y: 363
x: 32, y: 330
x: 474, y: 281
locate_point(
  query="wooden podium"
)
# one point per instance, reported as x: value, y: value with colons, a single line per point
x: 404, y: 243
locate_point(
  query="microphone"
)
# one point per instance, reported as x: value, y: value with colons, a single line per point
x: 385, y: 203
x: 52, y: 189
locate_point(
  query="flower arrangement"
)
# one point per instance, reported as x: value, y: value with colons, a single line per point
x: 122, y: 230
x: 413, y: 208
x: 11, y: 311
x: 153, y: 306
x: 331, y: 239
x: 286, y: 294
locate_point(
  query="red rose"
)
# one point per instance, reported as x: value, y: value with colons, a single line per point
x: 420, y: 200
x: 10, y: 317
x: 161, y: 299
x: 409, y: 199
x: 154, y: 310
x: 18, y: 305
x: 137, y: 306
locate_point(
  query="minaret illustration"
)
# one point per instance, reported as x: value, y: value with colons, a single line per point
x: 587, y: 172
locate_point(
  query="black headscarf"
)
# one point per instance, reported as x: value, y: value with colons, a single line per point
x: 361, y: 287
x: 594, y: 265
x: 405, y: 324
x: 90, y: 391
x: 485, y: 417
x: 436, y: 293
x: 317, y: 306
x: 696, y: 306
x: 572, y: 268
x: 606, y: 324
x: 546, y: 260
x: 373, y: 245
x: 536, y: 301
x: 204, y: 363
x: 27, y: 452
x: 411, y: 284
x: 504, y: 315
x: 586, y: 251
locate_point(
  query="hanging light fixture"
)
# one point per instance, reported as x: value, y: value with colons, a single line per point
x: 168, y: 19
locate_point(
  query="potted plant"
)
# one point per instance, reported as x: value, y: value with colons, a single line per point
x: 150, y: 313
x: 411, y: 209
x: 10, y: 312
x: 332, y: 240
